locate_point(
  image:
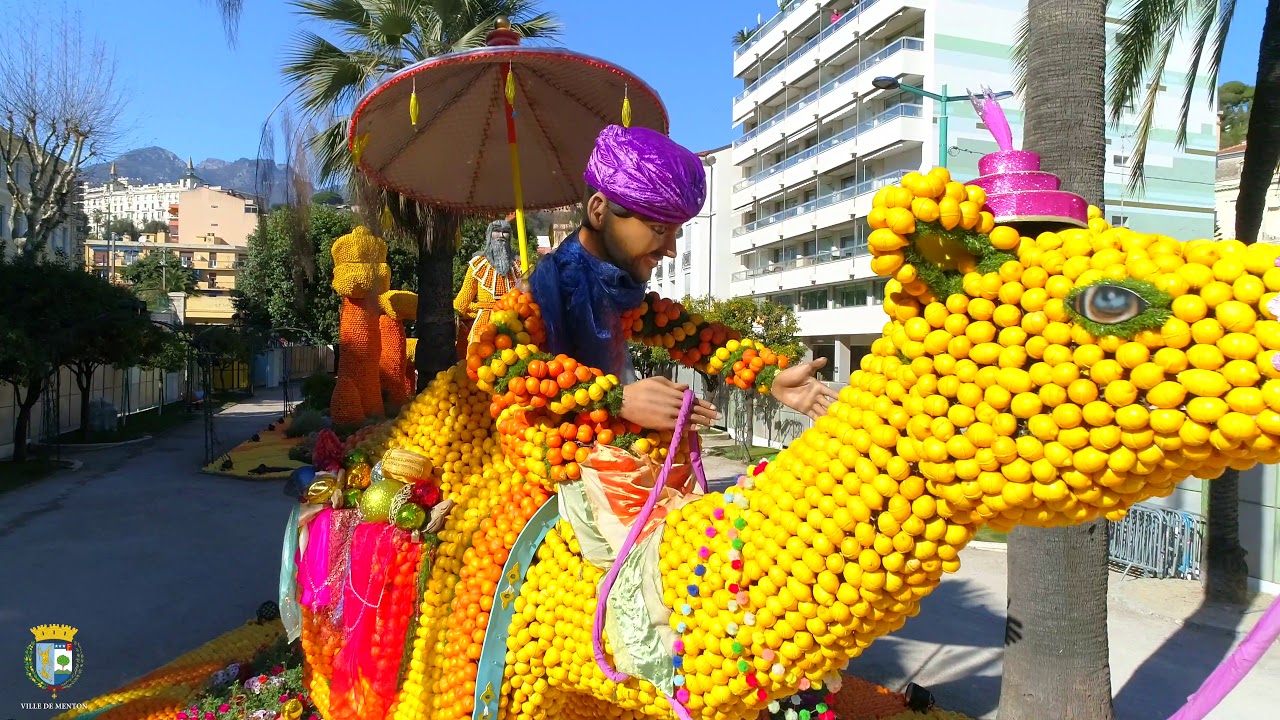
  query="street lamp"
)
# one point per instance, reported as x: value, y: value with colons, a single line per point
x: 943, y: 99
x: 710, y: 162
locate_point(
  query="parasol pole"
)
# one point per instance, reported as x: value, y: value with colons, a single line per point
x: 505, y: 35
x: 513, y: 148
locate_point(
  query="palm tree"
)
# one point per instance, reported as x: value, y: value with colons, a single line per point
x: 1058, y: 577
x: 380, y: 37
x: 230, y: 11
x: 1142, y: 50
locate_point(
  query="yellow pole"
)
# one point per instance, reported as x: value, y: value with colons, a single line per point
x: 515, y: 171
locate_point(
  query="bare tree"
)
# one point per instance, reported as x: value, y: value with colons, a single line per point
x: 60, y: 108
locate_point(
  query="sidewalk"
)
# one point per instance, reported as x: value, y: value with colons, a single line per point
x: 1161, y: 650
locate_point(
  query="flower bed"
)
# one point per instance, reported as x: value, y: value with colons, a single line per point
x: 263, y: 458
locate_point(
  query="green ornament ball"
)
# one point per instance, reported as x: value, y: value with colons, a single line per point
x: 375, y: 504
x: 350, y: 497
x: 355, y: 457
x: 410, y: 516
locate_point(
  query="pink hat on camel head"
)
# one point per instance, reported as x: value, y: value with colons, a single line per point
x: 1017, y: 189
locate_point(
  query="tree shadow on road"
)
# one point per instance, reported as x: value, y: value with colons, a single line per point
x: 953, y: 648
x: 1164, y: 681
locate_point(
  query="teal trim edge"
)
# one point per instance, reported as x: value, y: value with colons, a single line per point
x: 493, y: 653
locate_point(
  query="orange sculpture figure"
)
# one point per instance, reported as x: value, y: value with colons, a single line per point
x: 371, y: 337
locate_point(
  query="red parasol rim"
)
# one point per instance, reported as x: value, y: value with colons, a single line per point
x: 501, y: 54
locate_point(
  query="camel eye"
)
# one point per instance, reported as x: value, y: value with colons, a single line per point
x: 1109, y: 304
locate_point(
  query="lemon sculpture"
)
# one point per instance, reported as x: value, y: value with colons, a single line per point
x: 1039, y: 378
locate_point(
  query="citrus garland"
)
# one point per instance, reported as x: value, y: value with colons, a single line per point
x: 551, y: 410
x: 705, y: 346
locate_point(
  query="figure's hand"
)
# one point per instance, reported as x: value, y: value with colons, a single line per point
x: 655, y: 403
x: 799, y: 388
x: 439, y: 514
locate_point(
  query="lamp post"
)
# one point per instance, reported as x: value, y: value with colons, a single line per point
x: 709, y: 161
x: 943, y: 99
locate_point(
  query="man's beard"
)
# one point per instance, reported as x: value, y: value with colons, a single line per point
x: 613, y: 250
x: 498, y: 252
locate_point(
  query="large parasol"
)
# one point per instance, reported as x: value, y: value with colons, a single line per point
x: 444, y: 131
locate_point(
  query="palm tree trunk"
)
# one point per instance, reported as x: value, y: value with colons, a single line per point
x: 1057, y: 616
x: 1226, y: 571
x: 1263, y: 151
x: 434, y: 327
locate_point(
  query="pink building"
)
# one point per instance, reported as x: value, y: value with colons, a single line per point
x: 228, y: 215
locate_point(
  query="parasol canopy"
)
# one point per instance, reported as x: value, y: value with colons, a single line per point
x: 456, y: 153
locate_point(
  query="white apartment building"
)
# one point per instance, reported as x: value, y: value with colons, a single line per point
x: 702, y: 265
x: 122, y: 199
x: 818, y: 139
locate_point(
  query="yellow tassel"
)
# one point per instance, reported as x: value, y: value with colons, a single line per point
x: 511, y: 88
x: 626, y: 109
x: 413, y: 104
x: 387, y: 220
x: 357, y: 147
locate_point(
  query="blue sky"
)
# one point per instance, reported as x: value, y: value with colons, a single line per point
x: 195, y: 95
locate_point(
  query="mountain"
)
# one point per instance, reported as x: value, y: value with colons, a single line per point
x: 158, y: 165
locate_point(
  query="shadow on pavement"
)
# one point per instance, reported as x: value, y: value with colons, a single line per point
x: 953, y: 648
x: 1162, y: 684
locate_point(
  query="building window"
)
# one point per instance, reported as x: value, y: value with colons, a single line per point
x: 813, y: 299
x: 213, y: 279
x: 851, y: 295
x: 810, y: 248
x: 877, y: 291
x: 185, y: 258
x: 1120, y: 160
x: 213, y: 259
x: 1119, y: 220
x: 785, y: 300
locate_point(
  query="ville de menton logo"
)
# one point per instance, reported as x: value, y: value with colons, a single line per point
x: 54, y: 659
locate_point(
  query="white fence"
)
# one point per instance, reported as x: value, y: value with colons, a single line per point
x: 133, y: 390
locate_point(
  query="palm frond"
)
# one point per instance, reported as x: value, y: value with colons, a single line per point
x: 328, y: 76
x: 230, y: 11
x: 331, y: 153
x: 1146, y: 116
x: 354, y: 13
x: 1144, y: 23
x: 1211, y: 13
x: 1142, y: 50
x: 1022, y: 52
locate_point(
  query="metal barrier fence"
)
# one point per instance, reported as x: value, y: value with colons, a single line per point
x: 1158, y: 542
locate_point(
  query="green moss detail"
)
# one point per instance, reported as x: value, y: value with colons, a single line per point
x: 945, y: 283
x: 625, y: 441
x: 764, y: 379
x: 520, y: 368
x: 1152, y: 318
x: 612, y: 402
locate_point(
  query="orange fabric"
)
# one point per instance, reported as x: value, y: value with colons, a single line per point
x: 618, y: 484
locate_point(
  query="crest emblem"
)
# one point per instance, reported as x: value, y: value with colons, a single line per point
x: 54, y: 659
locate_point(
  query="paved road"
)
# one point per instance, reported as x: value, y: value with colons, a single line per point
x: 143, y: 553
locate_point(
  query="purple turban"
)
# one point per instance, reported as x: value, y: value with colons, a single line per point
x: 647, y: 173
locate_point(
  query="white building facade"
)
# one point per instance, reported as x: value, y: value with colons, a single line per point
x: 703, y: 262
x: 121, y: 199
x: 818, y: 139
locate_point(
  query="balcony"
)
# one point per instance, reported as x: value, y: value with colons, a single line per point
x: 822, y: 258
x: 768, y: 25
x: 866, y: 126
x: 823, y: 203
x: 686, y: 259
x: 913, y: 44
x: 799, y: 52
x: 865, y: 322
